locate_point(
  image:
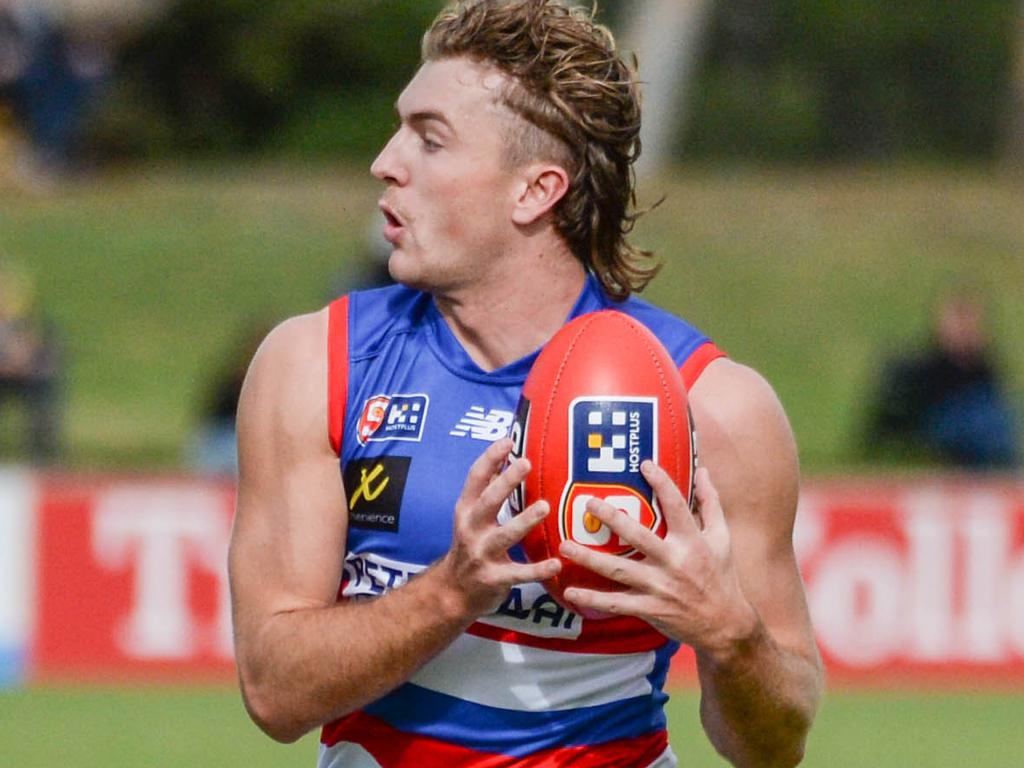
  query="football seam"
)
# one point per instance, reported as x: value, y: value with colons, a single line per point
x: 557, y: 579
x: 635, y: 328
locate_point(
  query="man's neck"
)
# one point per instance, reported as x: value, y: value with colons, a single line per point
x: 502, y: 320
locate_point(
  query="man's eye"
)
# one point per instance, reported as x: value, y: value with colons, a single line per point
x: 430, y: 145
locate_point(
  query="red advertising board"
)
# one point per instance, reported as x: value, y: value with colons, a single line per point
x: 909, y: 581
x: 132, y: 580
x: 919, y: 581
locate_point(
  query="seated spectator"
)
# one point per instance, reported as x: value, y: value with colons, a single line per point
x: 28, y: 365
x: 947, y: 400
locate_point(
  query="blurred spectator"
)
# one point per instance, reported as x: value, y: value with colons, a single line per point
x: 947, y: 400
x: 55, y: 58
x: 28, y: 365
x: 50, y: 73
x: 211, y: 448
x: 369, y: 268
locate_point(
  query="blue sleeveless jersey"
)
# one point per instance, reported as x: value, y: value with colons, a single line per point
x: 532, y: 684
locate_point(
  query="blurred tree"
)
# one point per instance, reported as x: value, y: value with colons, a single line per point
x: 869, y: 79
x: 312, y: 75
x: 792, y: 79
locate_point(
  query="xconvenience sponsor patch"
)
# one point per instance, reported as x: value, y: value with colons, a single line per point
x: 375, y: 488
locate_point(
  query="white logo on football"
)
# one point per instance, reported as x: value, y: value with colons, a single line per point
x: 589, y: 530
x: 607, y: 459
x: 483, y: 425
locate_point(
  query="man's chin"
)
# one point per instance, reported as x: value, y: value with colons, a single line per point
x: 404, y: 273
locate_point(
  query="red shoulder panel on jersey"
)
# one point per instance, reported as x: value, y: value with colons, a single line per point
x: 337, y: 369
x: 698, y: 361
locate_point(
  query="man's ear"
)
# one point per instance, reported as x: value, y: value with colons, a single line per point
x: 540, y: 189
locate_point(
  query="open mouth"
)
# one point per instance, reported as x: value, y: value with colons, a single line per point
x: 393, y: 225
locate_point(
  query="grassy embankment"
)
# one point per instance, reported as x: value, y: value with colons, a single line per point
x: 807, y: 275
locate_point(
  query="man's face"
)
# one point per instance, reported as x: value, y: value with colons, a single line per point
x: 449, y: 196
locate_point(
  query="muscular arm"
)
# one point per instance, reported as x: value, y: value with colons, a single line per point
x: 302, y: 658
x: 761, y: 687
x: 726, y: 582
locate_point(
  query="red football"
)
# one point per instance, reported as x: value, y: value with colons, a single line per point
x: 603, y: 396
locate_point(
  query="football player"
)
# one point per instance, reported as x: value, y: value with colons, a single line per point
x: 375, y: 593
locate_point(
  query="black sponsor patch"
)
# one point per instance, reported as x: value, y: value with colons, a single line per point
x: 374, y: 488
x: 517, y: 499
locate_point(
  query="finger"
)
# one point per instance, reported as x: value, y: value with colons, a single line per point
x: 627, y: 572
x: 515, y: 529
x: 521, y: 573
x: 708, y: 502
x: 626, y: 528
x: 487, y: 465
x: 671, y: 500
x: 501, y: 485
x: 616, y: 603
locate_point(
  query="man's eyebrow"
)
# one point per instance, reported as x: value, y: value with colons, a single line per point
x: 425, y: 115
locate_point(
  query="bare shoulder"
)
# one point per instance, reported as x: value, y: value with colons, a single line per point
x: 747, y: 444
x: 288, y: 535
x: 285, y: 388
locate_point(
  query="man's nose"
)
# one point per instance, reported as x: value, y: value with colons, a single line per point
x: 388, y: 166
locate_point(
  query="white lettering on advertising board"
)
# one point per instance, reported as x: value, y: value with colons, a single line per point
x: 162, y: 534
x: 945, y: 586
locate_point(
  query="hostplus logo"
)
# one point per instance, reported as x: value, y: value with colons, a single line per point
x: 608, y: 440
x: 483, y: 425
x: 393, y: 417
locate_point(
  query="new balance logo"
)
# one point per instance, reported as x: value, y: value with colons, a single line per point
x: 483, y: 425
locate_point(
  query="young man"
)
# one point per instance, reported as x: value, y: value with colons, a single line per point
x: 507, y: 198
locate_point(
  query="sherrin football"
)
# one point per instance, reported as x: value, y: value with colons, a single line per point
x: 603, y: 396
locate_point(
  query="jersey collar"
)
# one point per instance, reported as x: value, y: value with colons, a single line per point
x: 454, y: 357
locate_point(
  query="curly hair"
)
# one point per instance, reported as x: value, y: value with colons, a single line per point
x: 580, y: 107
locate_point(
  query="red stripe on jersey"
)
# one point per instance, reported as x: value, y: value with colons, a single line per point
x: 337, y: 370
x: 698, y: 361
x: 619, y: 635
x: 395, y: 749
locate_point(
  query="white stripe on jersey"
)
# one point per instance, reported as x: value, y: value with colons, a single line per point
x: 345, y: 754
x: 528, y: 679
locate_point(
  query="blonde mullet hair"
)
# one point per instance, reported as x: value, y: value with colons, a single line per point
x: 581, y: 106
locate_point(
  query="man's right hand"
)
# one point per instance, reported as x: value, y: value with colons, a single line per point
x: 480, y: 571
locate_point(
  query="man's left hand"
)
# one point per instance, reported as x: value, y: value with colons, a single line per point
x: 686, y: 586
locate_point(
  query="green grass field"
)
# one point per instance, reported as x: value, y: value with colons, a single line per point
x: 808, y: 275
x: 194, y: 728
